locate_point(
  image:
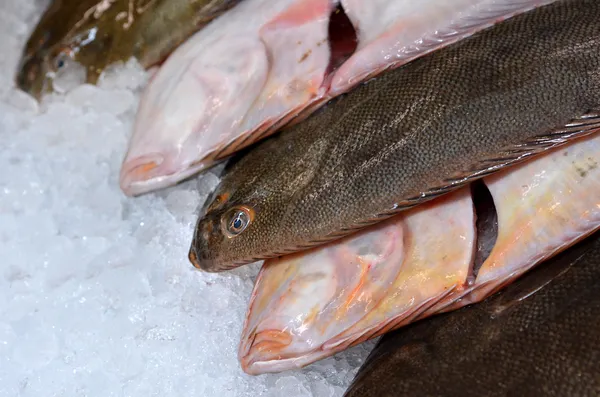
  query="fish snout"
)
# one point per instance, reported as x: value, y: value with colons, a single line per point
x: 206, y: 236
x: 263, y: 347
x: 139, y: 174
x: 31, y: 76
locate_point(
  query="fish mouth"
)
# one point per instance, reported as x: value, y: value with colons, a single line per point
x: 200, y: 255
x: 265, y: 351
x: 150, y: 172
x: 202, y: 260
x: 31, y: 76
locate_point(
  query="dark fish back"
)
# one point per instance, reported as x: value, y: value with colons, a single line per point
x: 418, y: 131
x: 512, y: 344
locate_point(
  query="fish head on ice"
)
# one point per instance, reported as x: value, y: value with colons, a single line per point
x: 191, y: 106
x: 83, y: 36
x: 302, y: 301
x: 263, y: 199
x: 53, y: 70
x: 220, y: 234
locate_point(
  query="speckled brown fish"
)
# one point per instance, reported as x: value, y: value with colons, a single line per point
x: 450, y: 252
x: 415, y: 133
x: 539, y: 337
x: 98, y: 33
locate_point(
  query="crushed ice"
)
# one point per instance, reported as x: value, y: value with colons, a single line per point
x: 97, y: 297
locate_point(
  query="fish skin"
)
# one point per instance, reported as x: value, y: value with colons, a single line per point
x: 414, y: 133
x: 224, y: 77
x: 99, y: 33
x: 391, y: 33
x: 568, y: 211
x: 538, y: 337
x: 543, y: 206
x: 356, y: 285
x: 47, y: 34
x: 301, y: 77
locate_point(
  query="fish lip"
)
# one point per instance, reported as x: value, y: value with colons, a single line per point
x: 37, y: 85
x: 201, y: 259
x: 204, y: 264
x: 135, y: 182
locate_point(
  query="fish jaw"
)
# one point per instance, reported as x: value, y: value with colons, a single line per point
x: 392, y: 33
x: 351, y: 302
x: 175, y: 130
x: 301, y: 301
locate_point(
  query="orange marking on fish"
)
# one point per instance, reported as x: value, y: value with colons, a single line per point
x: 143, y: 169
x: 301, y: 12
x: 364, y: 270
x: 270, y: 340
x: 194, y: 259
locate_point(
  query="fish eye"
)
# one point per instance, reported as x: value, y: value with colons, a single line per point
x: 60, y: 60
x: 236, y: 220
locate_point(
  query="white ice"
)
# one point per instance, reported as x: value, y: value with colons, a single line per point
x: 97, y: 297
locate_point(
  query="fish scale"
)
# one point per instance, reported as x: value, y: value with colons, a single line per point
x: 414, y: 133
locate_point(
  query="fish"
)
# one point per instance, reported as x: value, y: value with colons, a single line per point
x: 288, y: 59
x: 187, y: 108
x: 538, y: 337
x: 485, y: 103
x: 437, y: 257
x: 95, y: 34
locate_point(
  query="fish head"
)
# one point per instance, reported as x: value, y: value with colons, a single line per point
x: 38, y: 73
x: 191, y: 110
x: 219, y: 234
x: 262, y: 201
x: 303, y: 301
x: 66, y: 27
x: 163, y: 148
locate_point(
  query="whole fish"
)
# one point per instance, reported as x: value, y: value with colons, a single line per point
x: 408, y: 136
x: 538, y: 337
x: 439, y: 256
x: 98, y: 33
x: 272, y: 63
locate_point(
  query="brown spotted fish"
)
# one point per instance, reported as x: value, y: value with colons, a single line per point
x: 410, y: 135
x: 269, y: 63
x: 439, y: 256
x: 93, y: 34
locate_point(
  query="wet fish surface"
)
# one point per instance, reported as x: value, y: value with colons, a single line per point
x: 257, y: 69
x: 97, y: 33
x: 203, y: 91
x: 538, y: 337
x: 408, y: 136
x: 450, y: 252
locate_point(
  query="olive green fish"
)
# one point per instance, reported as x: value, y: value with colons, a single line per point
x: 539, y: 337
x: 98, y: 33
x: 487, y: 102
